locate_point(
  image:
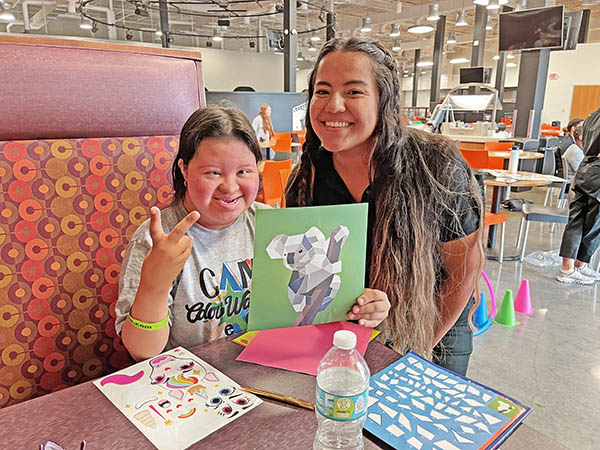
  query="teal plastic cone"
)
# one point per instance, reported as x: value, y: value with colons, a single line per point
x: 481, y: 316
x: 506, y: 315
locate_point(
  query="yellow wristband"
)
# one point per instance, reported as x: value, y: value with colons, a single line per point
x: 149, y: 326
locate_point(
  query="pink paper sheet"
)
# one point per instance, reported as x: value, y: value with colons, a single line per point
x: 299, y: 349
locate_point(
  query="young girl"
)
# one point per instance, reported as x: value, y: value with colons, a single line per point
x: 186, y: 276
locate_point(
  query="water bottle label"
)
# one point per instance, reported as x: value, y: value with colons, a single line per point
x: 341, y: 407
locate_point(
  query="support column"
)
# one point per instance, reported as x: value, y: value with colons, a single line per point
x: 415, y: 89
x: 330, y: 34
x: 500, y: 75
x: 531, y: 90
x: 479, y: 36
x: 164, y: 23
x: 290, y: 48
x: 436, y: 70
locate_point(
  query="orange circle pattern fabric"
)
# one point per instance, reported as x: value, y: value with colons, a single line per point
x: 67, y: 211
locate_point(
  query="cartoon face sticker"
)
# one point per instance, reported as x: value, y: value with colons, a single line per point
x: 228, y: 402
x: 178, y: 373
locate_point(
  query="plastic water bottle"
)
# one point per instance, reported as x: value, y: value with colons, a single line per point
x: 342, y: 393
x: 513, y: 162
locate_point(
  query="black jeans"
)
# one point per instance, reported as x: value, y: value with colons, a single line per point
x: 581, y: 237
x: 455, y: 348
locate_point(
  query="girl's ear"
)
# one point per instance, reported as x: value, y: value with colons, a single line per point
x: 183, y: 169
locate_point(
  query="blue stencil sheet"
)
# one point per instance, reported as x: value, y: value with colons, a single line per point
x: 414, y: 403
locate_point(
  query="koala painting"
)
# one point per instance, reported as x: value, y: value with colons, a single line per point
x: 314, y: 262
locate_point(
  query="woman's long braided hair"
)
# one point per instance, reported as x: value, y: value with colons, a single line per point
x: 410, y: 174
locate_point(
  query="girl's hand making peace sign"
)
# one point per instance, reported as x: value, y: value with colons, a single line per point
x: 169, y: 252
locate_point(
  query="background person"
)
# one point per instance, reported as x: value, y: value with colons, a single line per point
x: 262, y: 125
x: 574, y: 154
x: 581, y: 237
x: 423, y: 244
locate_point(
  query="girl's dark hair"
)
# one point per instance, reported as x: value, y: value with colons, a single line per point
x: 212, y: 121
x: 411, y: 174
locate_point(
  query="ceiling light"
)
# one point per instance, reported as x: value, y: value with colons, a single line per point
x: 366, y: 25
x: 420, y: 29
x: 315, y: 37
x: 461, y: 21
x: 86, y: 24
x: 423, y: 72
x: 493, y: 5
x: 398, y: 7
x: 487, y: 2
x: 5, y: 12
x: 511, y: 65
x: 311, y: 47
x: 300, y: 57
x: 434, y: 10
x: 217, y: 36
x: 405, y: 71
x: 451, y: 38
x: 395, y: 30
x: 396, y: 45
x: 459, y: 61
x: 160, y: 33
x: 488, y: 25
x: 496, y: 57
x: 510, y: 57
x: 425, y: 64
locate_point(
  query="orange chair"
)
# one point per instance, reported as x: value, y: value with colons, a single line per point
x: 273, y: 188
x: 497, y: 163
x: 283, y: 144
x: 496, y: 219
x: 279, y: 134
x: 476, y: 159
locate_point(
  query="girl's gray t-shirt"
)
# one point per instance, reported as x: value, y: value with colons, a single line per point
x: 211, y: 296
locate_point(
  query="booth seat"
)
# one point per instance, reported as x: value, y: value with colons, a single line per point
x: 68, y: 210
x: 88, y: 132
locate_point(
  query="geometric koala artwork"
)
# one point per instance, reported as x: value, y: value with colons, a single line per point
x: 314, y: 262
x: 175, y: 399
x: 416, y: 404
x: 308, y: 266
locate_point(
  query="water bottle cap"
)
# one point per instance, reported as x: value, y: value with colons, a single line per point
x: 344, y: 339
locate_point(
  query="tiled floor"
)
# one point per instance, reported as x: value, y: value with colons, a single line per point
x: 551, y: 361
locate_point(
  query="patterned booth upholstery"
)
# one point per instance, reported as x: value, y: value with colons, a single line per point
x: 68, y: 206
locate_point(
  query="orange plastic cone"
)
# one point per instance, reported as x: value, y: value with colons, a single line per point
x: 506, y: 315
x: 523, y: 299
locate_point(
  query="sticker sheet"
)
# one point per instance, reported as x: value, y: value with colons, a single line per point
x: 415, y: 404
x: 175, y: 399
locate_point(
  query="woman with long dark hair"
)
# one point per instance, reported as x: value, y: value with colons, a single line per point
x: 424, y: 246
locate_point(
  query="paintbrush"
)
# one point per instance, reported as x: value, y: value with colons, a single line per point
x: 280, y: 397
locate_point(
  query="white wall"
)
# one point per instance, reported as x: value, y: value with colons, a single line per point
x: 226, y: 69
x: 574, y: 67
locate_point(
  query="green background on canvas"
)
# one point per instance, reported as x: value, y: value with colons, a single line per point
x: 269, y: 304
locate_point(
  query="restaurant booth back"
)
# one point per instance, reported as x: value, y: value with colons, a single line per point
x: 88, y: 131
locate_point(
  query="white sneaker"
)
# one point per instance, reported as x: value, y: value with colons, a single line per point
x: 574, y: 277
x: 590, y: 273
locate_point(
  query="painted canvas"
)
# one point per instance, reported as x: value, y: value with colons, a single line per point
x: 176, y: 399
x: 416, y: 404
x: 308, y: 265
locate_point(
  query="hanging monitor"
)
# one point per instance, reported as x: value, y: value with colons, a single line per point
x: 471, y: 75
x: 275, y: 41
x: 571, y: 28
x: 531, y: 29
